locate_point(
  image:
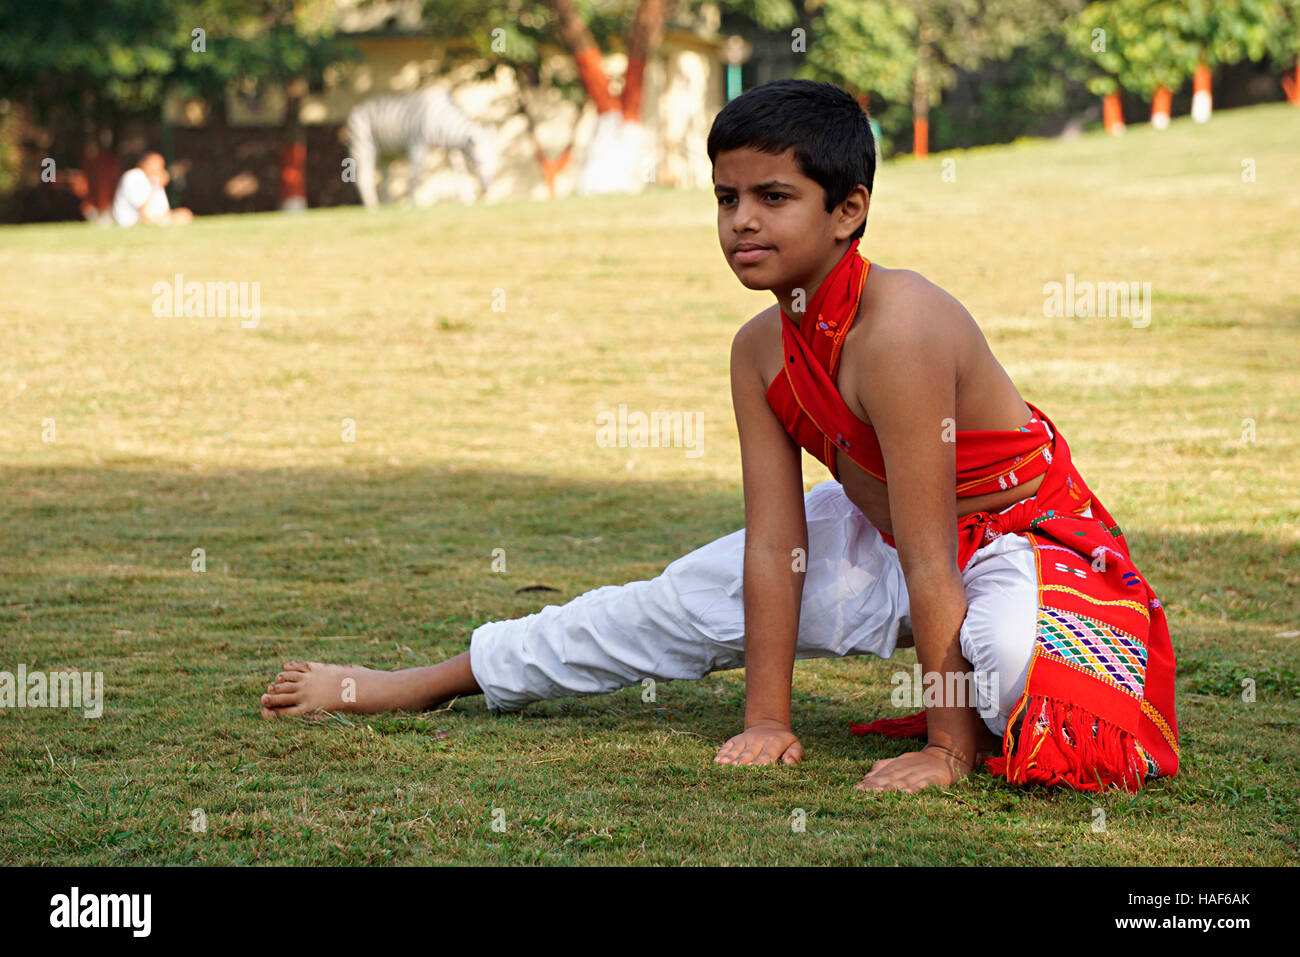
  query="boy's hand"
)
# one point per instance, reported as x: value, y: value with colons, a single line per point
x: 915, y: 770
x: 762, y: 743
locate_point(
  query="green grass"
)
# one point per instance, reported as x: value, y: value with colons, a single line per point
x: 475, y: 430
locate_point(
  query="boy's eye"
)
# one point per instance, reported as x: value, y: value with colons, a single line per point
x: 723, y: 200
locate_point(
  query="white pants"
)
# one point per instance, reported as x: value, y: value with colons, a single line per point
x: 690, y: 620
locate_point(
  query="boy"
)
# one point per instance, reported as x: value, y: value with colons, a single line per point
x: 956, y: 509
x: 141, y: 195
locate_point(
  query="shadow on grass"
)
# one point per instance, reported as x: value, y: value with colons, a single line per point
x: 394, y: 567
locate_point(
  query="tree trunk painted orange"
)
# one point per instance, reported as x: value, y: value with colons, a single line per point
x: 1291, y: 86
x: 1112, y: 114
x: 1160, y: 104
x: 632, y: 90
x: 921, y: 93
x: 1202, y: 101
x: 552, y: 168
x: 1201, y: 79
x: 646, y: 35
x: 644, y: 38
x: 293, y: 175
x: 101, y: 167
x: 594, y: 80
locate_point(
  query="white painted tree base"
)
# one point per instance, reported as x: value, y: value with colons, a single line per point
x: 618, y: 158
x: 1201, y: 107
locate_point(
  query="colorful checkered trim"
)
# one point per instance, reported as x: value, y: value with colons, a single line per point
x: 1152, y: 767
x: 1159, y: 721
x: 1093, y: 646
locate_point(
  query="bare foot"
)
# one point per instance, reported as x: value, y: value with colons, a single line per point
x: 312, y: 688
x: 915, y: 770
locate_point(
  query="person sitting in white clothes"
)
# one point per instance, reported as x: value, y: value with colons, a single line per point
x: 141, y: 195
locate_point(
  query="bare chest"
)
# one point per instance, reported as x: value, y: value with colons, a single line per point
x: 866, y: 491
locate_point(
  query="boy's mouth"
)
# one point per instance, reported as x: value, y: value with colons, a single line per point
x: 750, y: 252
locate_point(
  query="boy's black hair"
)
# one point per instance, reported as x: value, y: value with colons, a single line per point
x: 826, y: 128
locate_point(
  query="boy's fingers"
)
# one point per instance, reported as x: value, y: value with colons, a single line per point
x: 742, y: 751
x: 770, y: 752
x: 727, y: 752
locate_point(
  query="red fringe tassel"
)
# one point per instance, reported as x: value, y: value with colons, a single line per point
x: 1076, y: 749
x: 913, y: 726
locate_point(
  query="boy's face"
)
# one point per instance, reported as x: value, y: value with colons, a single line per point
x: 155, y: 167
x: 772, y: 221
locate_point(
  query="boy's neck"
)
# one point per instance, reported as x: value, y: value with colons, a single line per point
x: 786, y: 297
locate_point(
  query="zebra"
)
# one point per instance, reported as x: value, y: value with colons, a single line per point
x: 415, y: 123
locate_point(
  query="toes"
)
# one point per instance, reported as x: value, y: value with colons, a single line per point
x: 275, y: 713
x: 289, y: 676
x: 297, y: 666
x: 280, y: 700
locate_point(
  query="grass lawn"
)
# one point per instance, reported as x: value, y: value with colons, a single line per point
x: 475, y: 430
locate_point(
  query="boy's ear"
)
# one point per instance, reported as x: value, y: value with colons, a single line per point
x: 858, y: 201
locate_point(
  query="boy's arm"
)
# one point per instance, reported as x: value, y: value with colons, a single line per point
x: 775, y: 528
x: 911, y: 399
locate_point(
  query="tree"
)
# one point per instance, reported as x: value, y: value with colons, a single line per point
x: 107, y: 61
x: 912, y: 50
x: 95, y: 65
x: 1284, y: 45
x: 1149, y: 46
x: 525, y: 37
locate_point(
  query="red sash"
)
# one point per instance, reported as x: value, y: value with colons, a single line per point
x: 1098, y: 706
x: 808, y: 403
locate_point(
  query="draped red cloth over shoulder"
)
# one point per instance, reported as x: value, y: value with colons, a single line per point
x: 1098, y: 706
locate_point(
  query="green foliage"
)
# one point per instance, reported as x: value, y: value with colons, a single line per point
x: 867, y: 48
x: 1139, y: 45
x: 890, y: 50
x: 103, y: 60
x: 905, y: 56
x: 1284, y: 38
x: 1010, y: 98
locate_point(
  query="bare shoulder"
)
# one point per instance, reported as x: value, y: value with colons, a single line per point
x: 760, y: 326
x: 758, y: 343
x: 903, y: 308
x: 909, y: 333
